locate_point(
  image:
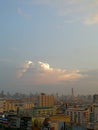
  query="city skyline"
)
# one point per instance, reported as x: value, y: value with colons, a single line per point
x: 49, y: 46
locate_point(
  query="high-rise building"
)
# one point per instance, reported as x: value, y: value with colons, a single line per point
x: 46, y: 100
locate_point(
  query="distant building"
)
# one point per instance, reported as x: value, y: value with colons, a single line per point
x: 95, y: 98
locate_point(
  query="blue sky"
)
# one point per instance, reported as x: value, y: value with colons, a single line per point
x: 49, y: 40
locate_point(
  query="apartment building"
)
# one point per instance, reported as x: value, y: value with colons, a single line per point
x: 14, y: 104
x: 1, y: 105
x: 78, y: 115
x: 46, y: 100
x: 95, y: 112
x: 95, y: 98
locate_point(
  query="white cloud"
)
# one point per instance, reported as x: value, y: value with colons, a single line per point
x: 73, y: 10
x: 45, y: 66
x: 42, y: 73
x: 92, y: 19
x: 24, y: 68
x: 22, y: 13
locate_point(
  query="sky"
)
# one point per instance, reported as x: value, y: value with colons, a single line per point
x: 49, y: 46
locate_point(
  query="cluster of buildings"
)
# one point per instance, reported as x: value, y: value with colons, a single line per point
x: 44, y: 106
x: 14, y: 104
x: 41, y: 100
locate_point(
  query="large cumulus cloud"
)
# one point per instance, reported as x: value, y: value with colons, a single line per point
x: 42, y: 73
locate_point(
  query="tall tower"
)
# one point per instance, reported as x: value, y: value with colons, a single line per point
x: 72, y: 92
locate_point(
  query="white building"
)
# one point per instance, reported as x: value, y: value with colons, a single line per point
x: 78, y: 115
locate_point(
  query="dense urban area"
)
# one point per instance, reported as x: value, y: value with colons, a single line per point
x: 41, y: 111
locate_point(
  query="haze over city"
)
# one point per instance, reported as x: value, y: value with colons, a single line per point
x: 49, y: 46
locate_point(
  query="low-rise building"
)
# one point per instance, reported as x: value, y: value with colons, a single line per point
x: 14, y: 105
x: 43, y: 111
x: 1, y: 105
